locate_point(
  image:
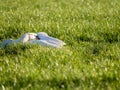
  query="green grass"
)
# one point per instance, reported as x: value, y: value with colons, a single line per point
x: 89, y: 61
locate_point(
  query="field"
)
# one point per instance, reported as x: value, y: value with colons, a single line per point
x: 89, y: 61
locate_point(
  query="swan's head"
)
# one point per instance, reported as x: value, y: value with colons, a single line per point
x: 27, y: 37
x: 32, y: 36
x: 41, y: 34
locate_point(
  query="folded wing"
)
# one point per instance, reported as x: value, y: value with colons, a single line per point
x: 50, y: 41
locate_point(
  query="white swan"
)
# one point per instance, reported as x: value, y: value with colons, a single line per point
x: 41, y: 38
x: 45, y: 40
x: 24, y: 39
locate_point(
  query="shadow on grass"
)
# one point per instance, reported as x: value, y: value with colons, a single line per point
x: 106, y: 37
x: 111, y: 37
x: 14, y: 49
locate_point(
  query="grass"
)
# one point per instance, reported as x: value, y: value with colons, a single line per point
x: 89, y: 61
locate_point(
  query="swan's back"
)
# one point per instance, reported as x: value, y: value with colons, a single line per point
x: 50, y: 41
x: 41, y: 34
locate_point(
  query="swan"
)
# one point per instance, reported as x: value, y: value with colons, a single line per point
x: 26, y: 38
x: 45, y: 40
x: 41, y: 38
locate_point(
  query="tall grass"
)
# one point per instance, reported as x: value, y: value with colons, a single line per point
x: 89, y: 61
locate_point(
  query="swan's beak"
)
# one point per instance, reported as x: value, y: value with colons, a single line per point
x: 37, y: 38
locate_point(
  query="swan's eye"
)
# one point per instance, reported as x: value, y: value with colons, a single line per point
x: 37, y: 38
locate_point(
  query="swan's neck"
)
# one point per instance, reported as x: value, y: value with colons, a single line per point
x: 18, y: 40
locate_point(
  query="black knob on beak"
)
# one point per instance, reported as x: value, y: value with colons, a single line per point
x: 37, y: 38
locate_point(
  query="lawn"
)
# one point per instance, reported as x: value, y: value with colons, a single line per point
x: 89, y: 61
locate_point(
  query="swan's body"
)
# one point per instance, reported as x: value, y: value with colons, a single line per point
x: 41, y: 38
